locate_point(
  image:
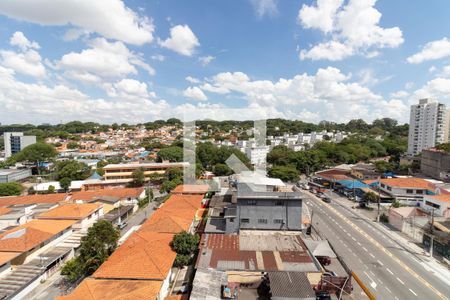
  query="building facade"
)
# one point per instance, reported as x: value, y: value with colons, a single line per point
x: 436, y: 164
x: 13, y: 175
x: 428, y: 126
x: 124, y: 172
x: 16, y: 142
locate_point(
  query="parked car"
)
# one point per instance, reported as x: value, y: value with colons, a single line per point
x: 323, y: 295
x: 326, y: 199
x: 122, y: 225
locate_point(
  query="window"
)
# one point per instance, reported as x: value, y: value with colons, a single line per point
x: 278, y: 221
x: 432, y: 204
x: 232, y: 220
x: 251, y: 202
x: 382, y: 185
x: 420, y: 192
x: 262, y: 221
x: 389, y: 188
x: 409, y: 191
x: 245, y: 220
x: 279, y: 203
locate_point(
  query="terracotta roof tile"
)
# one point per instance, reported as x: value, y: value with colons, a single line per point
x: 4, y: 210
x: 442, y: 197
x: 417, y: 183
x: 29, y: 235
x: 96, y: 289
x: 70, y: 211
x: 144, y: 255
x: 32, y: 199
x: 191, y: 189
x: 7, y: 256
x: 114, y: 192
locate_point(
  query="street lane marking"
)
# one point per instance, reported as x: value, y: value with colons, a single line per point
x: 389, y: 271
x: 400, y: 281
x: 365, y: 249
x: 373, y: 256
x: 388, y: 290
x: 387, y: 252
x: 359, y: 244
x: 380, y: 262
x: 413, y: 292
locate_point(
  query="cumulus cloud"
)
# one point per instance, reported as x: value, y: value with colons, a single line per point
x: 265, y: 7
x: 182, y: 40
x: 205, y: 60
x: 110, y: 18
x: 438, y: 88
x: 25, y: 61
x: 431, y: 51
x: 192, y: 79
x: 129, y: 88
x: 103, y: 60
x: 351, y: 28
x: 36, y: 102
x: 195, y: 93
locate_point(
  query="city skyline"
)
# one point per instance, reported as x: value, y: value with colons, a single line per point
x: 134, y: 61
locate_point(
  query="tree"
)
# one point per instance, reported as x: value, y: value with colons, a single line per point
x: 138, y: 178
x: 173, y: 173
x: 11, y: 189
x: 96, y: 247
x: 37, y: 153
x: 65, y: 183
x: 73, y: 170
x: 51, y: 189
x: 222, y: 170
x: 169, y: 185
x: 72, y: 145
x: 285, y: 173
x: 172, y: 154
x: 185, y: 245
x: 371, y: 197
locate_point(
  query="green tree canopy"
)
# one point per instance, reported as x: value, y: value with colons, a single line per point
x: 36, y: 153
x: 172, y: 154
x: 96, y: 247
x: 65, y: 183
x: 185, y: 243
x: 73, y: 170
x: 138, y: 178
x: 11, y: 189
x: 285, y: 173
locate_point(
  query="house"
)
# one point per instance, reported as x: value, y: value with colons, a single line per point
x: 109, y: 198
x: 409, y: 190
x: 32, y: 199
x: 5, y: 261
x: 32, y: 238
x: 440, y: 204
x: 364, y: 172
x: 99, y: 289
x: 85, y: 215
x: 409, y: 220
x: 191, y: 189
x: 290, y: 286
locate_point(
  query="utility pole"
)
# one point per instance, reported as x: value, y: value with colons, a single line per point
x: 379, y: 198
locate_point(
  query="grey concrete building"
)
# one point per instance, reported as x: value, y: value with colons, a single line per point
x: 436, y: 164
x: 13, y: 175
x: 16, y: 142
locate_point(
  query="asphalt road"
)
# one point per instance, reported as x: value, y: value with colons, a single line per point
x: 388, y: 270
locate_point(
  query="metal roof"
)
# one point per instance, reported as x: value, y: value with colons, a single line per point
x: 290, y: 285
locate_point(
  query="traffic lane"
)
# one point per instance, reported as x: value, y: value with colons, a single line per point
x: 410, y: 258
x: 368, y: 263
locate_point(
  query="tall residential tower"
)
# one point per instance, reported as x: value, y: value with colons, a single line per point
x: 428, y: 125
x: 16, y: 141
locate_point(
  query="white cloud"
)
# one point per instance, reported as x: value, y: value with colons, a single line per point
x: 438, y: 88
x: 192, y: 79
x: 19, y: 39
x: 195, y: 93
x: 446, y: 71
x: 27, y: 61
x: 102, y: 60
x: 205, y: 60
x: 158, y: 57
x: 265, y: 7
x: 350, y: 27
x: 332, y: 50
x: 36, y: 102
x: 109, y: 18
x: 129, y: 88
x: 431, y: 51
x: 400, y: 94
x: 182, y: 40
x: 328, y: 94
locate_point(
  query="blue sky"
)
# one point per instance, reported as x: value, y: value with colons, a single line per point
x: 136, y: 61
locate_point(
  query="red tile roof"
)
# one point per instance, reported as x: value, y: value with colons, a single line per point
x: 409, y: 182
x: 99, y: 289
x: 442, y: 197
x: 70, y: 211
x: 32, y: 199
x: 29, y: 235
x: 121, y: 193
x: 144, y: 255
x: 191, y: 189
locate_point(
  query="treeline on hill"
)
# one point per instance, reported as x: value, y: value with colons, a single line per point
x: 381, y: 138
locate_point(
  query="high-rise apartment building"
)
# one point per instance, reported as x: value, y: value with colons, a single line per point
x: 428, y: 125
x: 16, y: 141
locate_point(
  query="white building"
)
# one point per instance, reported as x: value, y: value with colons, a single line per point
x: 257, y: 155
x: 428, y: 126
x: 16, y: 141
